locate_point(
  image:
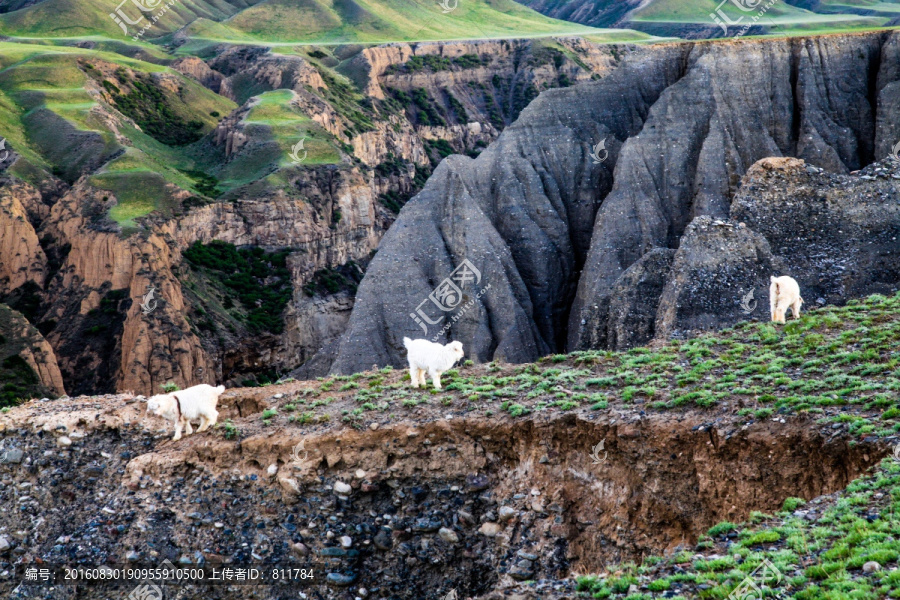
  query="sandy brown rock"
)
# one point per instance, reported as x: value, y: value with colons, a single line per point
x: 19, y: 338
x: 21, y: 256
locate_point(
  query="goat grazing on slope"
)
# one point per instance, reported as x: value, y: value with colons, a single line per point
x: 784, y: 291
x: 434, y: 358
x: 198, y: 402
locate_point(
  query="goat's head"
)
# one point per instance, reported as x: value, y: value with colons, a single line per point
x: 456, y: 349
x: 157, y: 405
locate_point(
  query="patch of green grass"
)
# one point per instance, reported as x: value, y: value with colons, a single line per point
x: 230, y: 431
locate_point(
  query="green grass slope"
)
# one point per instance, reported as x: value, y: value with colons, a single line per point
x: 781, y: 17
x: 835, y: 357
x: 341, y: 21
x: 275, y: 127
x: 84, y: 18
x: 51, y: 120
x: 293, y: 21
x: 817, y: 550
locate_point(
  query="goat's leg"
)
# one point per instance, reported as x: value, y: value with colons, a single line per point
x: 414, y: 376
x: 779, y: 313
x: 177, y: 431
x: 795, y: 308
x: 773, y: 300
x: 436, y: 376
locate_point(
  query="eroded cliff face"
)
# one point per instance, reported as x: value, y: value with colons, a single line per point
x: 562, y: 228
x: 91, y: 307
x: 27, y: 360
x: 491, y: 80
x: 21, y: 257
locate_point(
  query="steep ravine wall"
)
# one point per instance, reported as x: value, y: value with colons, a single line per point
x: 89, y: 308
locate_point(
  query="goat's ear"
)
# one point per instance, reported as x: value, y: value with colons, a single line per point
x: 141, y: 398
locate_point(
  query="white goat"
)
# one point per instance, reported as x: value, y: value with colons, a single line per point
x: 434, y: 358
x: 198, y: 402
x: 784, y: 291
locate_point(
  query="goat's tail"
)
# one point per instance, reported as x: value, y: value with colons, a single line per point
x: 220, y: 389
x: 407, y: 342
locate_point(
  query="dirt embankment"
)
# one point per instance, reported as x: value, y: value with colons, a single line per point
x: 409, y: 505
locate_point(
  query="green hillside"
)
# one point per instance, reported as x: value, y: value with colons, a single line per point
x: 276, y: 127
x: 83, y: 18
x: 49, y: 117
x: 291, y: 21
x: 336, y: 21
x: 692, y: 18
x: 781, y: 17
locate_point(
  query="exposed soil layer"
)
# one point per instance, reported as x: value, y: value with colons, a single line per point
x: 437, y: 501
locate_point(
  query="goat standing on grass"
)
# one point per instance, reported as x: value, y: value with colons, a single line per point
x: 784, y: 291
x: 198, y: 402
x: 434, y: 358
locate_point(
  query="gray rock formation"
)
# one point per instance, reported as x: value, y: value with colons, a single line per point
x: 715, y: 268
x: 635, y: 299
x: 521, y: 213
x: 555, y: 234
x: 837, y: 235
x: 707, y: 129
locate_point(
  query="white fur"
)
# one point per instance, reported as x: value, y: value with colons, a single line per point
x: 198, y: 402
x: 784, y: 291
x: 434, y: 358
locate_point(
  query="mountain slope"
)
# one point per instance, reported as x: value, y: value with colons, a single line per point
x: 563, y: 231
x: 80, y: 18
x: 287, y: 21
x: 693, y: 19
